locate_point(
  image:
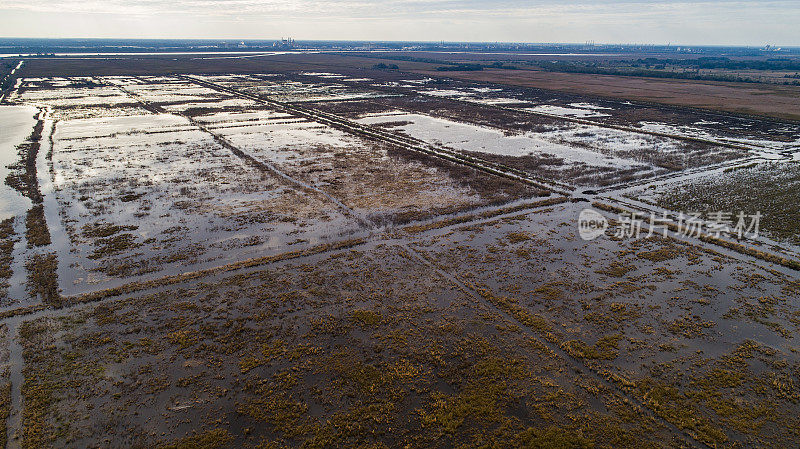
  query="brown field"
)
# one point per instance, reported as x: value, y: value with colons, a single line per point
x: 744, y: 98
x: 159, y: 65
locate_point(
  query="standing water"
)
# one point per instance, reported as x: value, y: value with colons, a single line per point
x: 16, y: 124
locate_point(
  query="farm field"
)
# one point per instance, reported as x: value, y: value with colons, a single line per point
x: 766, y: 100
x: 331, y: 255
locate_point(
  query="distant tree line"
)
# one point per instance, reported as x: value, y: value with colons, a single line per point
x: 383, y: 66
x: 460, y: 68
x: 395, y: 57
x: 657, y: 72
x: 722, y: 63
x: 444, y: 66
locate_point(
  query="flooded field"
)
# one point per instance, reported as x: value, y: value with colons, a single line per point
x: 377, y: 259
x: 577, y: 143
x: 563, y: 154
x: 680, y: 327
x: 319, y: 363
x: 171, y: 177
x: 771, y: 188
x: 499, y: 330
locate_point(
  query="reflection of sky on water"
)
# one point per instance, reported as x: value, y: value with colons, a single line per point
x: 17, y: 124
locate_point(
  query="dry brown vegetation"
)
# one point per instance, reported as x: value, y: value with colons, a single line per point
x: 764, y: 100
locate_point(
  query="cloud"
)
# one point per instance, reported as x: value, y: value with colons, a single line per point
x: 708, y: 21
x: 380, y: 8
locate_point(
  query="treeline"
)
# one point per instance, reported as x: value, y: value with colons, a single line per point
x: 394, y: 57
x: 383, y: 66
x: 658, y: 72
x: 722, y: 63
x: 444, y: 66
x: 460, y: 68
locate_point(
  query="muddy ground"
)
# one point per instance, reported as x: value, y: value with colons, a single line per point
x: 507, y: 331
x: 330, y: 257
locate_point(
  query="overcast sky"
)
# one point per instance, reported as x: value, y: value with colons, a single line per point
x: 605, y: 21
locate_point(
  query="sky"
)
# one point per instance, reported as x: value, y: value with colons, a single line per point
x: 703, y: 22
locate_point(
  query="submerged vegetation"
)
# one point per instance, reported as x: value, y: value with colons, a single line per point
x: 22, y: 175
x: 36, y: 231
x: 43, y: 278
x: 7, y: 241
x: 770, y: 188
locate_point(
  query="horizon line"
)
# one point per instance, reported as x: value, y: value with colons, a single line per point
x: 390, y: 41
